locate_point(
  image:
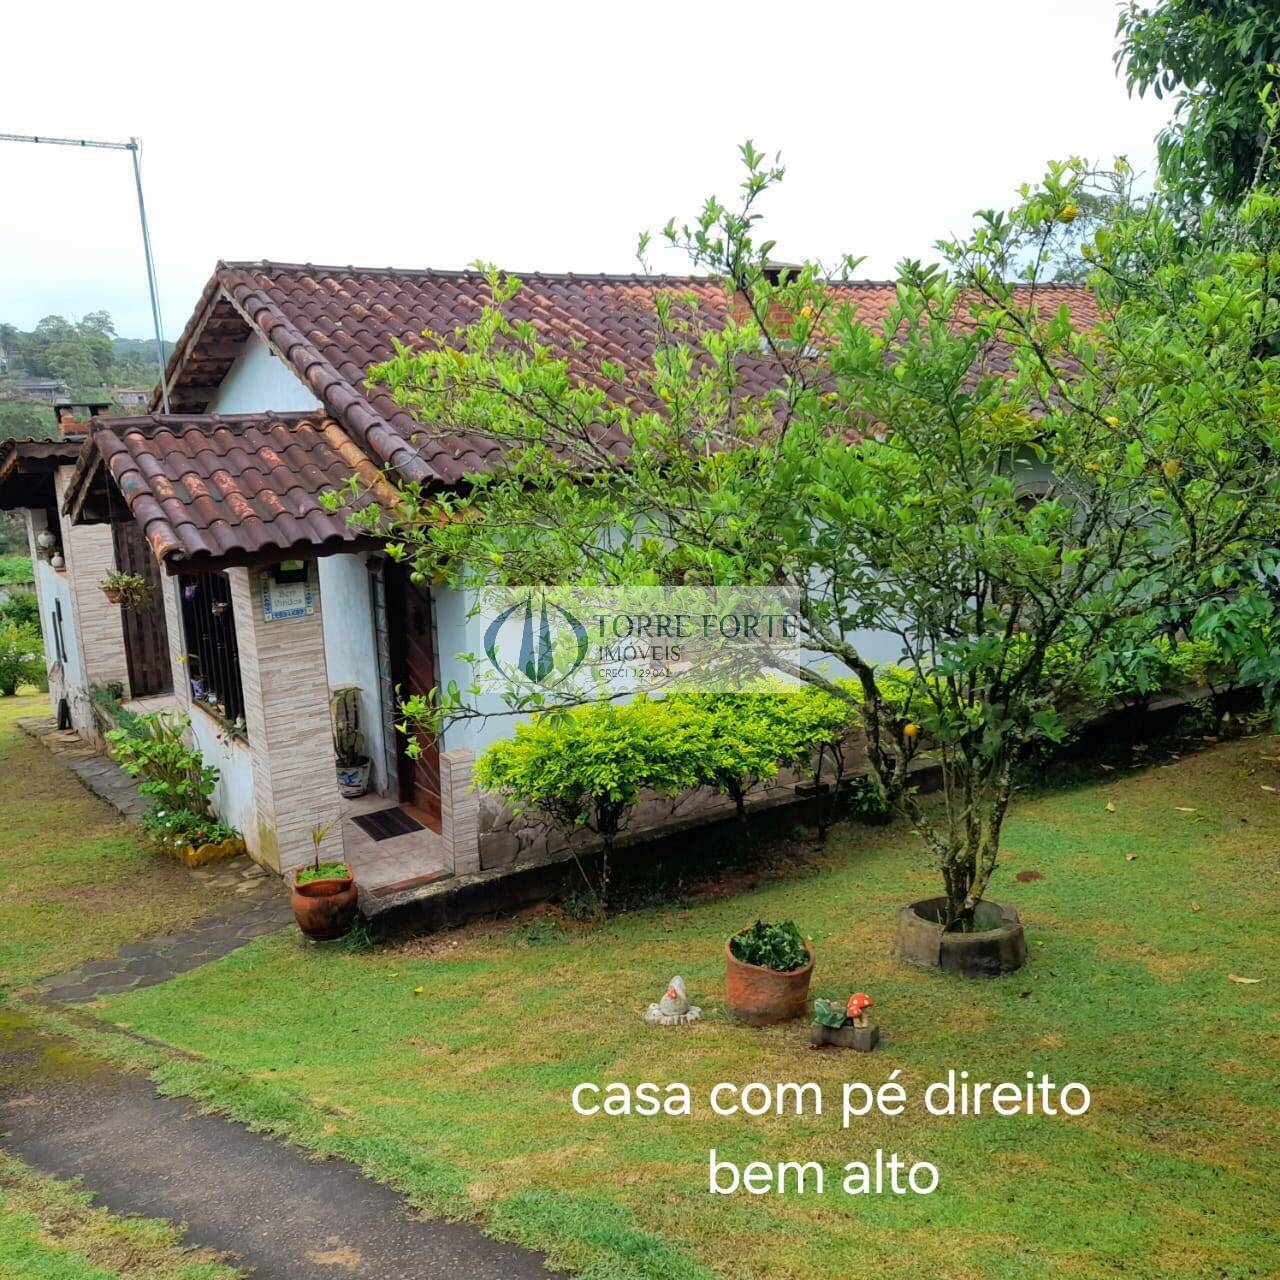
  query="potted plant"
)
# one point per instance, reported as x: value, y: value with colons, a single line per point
x: 769, y: 968
x: 128, y: 590
x: 348, y: 741
x: 325, y: 898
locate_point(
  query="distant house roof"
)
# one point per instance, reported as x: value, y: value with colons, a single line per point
x: 333, y: 324
x: 217, y: 490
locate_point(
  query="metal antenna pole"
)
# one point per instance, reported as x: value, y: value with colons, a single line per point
x: 133, y: 146
x: 134, y: 150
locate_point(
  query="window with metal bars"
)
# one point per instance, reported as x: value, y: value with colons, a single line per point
x: 213, y: 658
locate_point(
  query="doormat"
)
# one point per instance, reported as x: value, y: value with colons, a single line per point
x: 385, y: 823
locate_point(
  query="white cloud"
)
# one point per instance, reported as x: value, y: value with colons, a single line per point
x: 538, y: 136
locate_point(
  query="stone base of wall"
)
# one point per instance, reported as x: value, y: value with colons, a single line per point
x: 510, y: 839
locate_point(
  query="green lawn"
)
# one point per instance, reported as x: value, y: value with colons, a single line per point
x: 78, y: 879
x: 445, y: 1067
x: 49, y: 1231
x: 78, y: 882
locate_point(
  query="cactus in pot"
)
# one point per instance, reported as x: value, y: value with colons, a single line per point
x: 348, y: 741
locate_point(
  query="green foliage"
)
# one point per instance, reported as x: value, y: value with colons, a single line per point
x: 129, y: 590
x: 865, y: 802
x: 746, y: 737
x: 1218, y: 59
x: 171, y: 829
x: 24, y: 419
x: 21, y: 608
x: 588, y: 767
x: 21, y: 657
x: 324, y: 871
x: 1007, y: 590
x: 16, y: 569
x: 154, y: 747
x: 84, y: 353
x: 780, y: 947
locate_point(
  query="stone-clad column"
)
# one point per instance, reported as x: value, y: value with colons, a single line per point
x: 459, y: 811
x: 286, y: 697
x: 90, y: 555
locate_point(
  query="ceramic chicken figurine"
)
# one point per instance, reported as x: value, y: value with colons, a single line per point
x: 674, y: 1008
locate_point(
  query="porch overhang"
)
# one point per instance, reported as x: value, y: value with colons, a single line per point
x: 27, y: 469
x: 214, y: 491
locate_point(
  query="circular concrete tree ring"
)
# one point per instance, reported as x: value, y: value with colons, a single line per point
x: 1001, y: 947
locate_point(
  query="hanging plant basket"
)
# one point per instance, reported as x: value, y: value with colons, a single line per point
x: 128, y: 590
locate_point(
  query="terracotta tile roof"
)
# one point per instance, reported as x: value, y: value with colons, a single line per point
x: 27, y: 467
x: 332, y: 324
x: 221, y: 489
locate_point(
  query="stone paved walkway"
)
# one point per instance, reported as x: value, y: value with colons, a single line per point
x: 264, y: 909
x: 102, y: 776
x: 261, y: 903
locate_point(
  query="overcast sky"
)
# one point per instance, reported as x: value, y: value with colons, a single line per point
x: 539, y: 136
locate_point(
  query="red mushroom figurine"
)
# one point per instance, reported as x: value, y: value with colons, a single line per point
x: 859, y: 1003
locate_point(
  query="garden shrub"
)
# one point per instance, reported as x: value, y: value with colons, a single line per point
x: 14, y: 568
x: 587, y: 767
x: 171, y: 829
x: 752, y: 734
x: 154, y: 748
x: 21, y: 657
x: 21, y: 607
x: 771, y: 946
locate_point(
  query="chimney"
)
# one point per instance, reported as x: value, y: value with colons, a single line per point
x: 72, y: 424
x: 779, y: 318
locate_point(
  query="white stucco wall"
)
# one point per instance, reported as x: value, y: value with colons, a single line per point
x: 53, y: 585
x: 350, y: 650
x: 232, y: 798
x: 260, y: 382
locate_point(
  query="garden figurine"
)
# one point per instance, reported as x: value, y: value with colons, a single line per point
x: 845, y: 1025
x: 857, y: 1008
x: 673, y: 1009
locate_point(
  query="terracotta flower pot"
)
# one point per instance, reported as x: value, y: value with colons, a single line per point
x: 763, y: 996
x: 324, y: 909
x: 114, y: 594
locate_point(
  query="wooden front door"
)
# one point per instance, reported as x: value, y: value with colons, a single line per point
x: 146, y: 638
x: 411, y: 631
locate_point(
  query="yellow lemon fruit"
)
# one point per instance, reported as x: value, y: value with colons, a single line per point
x: 1067, y: 213
x: 910, y: 732
x: 1113, y: 422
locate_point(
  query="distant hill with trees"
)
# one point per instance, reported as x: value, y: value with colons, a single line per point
x: 79, y: 360
x: 85, y: 356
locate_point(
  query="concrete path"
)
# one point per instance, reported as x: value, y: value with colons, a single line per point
x: 286, y: 1216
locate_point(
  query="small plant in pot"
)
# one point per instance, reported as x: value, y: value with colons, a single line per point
x: 128, y: 590
x: 769, y: 969
x: 348, y: 742
x: 325, y: 898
